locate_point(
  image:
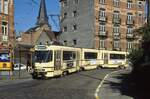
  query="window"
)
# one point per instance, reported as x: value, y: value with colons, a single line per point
x: 129, y: 45
x: 75, y: 14
x: 139, y: 14
x: 102, y: 1
x: 90, y: 55
x: 64, y: 3
x: 74, y: 27
x: 43, y: 56
x: 65, y: 15
x: 129, y: 16
x: 65, y: 29
x: 129, y: 4
x: 117, y: 56
x: 102, y: 13
x: 116, y: 3
x: 69, y: 55
x: 75, y: 42
x: 116, y: 15
x: 102, y: 28
x: 5, y: 6
x: 65, y: 42
x: 116, y: 29
x: 116, y: 44
x: 4, y: 28
x: 76, y: 1
x: 102, y: 43
x: 129, y: 30
x: 140, y: 5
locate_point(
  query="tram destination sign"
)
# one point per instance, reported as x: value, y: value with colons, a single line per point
x: 40, y: 47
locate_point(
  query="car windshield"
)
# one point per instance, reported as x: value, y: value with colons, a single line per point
x: 43, y: 56
x: 4, y: 57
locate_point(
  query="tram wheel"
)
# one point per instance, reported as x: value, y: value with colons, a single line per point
x: 121, y: 67
x: 64, y: 73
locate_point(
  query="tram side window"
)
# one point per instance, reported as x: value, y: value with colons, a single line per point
x: 69, y: 55
x: 117, y: 56
x: 90, y: 55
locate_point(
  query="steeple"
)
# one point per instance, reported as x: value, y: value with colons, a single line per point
x: 42, y: 17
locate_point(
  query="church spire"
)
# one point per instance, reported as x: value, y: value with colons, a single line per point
x: 42, y: 17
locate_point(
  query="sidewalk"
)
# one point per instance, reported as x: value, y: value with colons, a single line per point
x: 116, y: 86
x: 14, y: 77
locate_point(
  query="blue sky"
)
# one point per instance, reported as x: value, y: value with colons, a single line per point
x: 26, y: 13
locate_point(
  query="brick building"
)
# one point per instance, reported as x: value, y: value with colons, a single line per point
x: 7, y: 35
x: 102, y: 24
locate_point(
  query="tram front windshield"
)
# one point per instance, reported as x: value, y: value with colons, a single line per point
x: 43, y: 56
x: 4, y: 57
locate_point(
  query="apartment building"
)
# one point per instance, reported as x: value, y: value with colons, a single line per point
x: 7, y: 35
x: 102, y: 24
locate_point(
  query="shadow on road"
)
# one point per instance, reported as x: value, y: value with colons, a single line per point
x: 126, y: 87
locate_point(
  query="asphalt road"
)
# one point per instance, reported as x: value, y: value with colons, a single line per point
x: 81, y: 85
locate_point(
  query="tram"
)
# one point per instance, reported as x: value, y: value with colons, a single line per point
x: 114, y: 59
x: 53, y: 60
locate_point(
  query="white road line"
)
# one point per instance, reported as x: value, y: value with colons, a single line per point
x: 100, y: 85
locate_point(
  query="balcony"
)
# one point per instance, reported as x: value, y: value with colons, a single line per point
x: 130, y: 36
x: 116, y: 20
x: 130, y: 22
x: 103, y: 33
x: 116, y: 49
x: 104, y: 19
x: 5, y: 38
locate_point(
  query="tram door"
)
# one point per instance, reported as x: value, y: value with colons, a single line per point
x: 105, y: 58
x: 57, y: 60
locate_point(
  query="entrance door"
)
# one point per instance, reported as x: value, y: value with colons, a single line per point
x: 57, y: 60
x: 105, y: 58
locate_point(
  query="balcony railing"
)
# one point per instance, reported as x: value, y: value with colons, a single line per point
x: 130, y: 22
x: 116, y: 36
x: 102, y: 18
x: 102, y: 33
x: 130, y: 35
x: 116, y: 20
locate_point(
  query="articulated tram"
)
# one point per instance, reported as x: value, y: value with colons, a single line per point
x: 55, y: 60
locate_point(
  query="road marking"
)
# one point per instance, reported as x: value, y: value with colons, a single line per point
x: 100, y: 85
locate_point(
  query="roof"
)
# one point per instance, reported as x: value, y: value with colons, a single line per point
x: 42, y: 17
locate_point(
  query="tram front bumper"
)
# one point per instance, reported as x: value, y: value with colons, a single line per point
x: 39, y: 74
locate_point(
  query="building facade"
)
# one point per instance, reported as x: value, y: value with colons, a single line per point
x: 102, y: 24
x: 7, y: 34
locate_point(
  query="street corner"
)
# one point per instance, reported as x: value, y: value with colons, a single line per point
x: 113, y: 86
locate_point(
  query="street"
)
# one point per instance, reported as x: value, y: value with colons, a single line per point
x: 80, y: 85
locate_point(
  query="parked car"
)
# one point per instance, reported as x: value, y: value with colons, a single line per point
x: 22, y: 66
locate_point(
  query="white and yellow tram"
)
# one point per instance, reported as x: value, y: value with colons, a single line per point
x: 55, y: 60
x: 114, y: 59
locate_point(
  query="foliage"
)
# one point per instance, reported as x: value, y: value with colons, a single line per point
x: 136, y: 57
x: 141, y: 55
x: 140, y: 59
